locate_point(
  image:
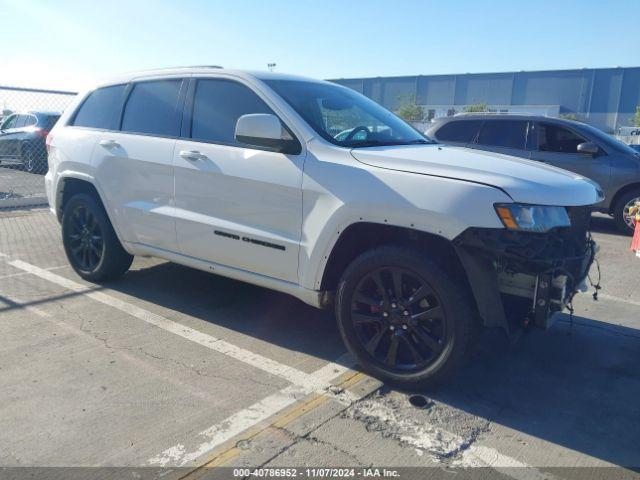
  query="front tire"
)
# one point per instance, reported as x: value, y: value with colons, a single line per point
x: 91, y: 245
x: 405, y: 319
x: 621, y: 216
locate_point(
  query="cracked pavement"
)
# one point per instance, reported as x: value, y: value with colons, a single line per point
x: 84, y: 384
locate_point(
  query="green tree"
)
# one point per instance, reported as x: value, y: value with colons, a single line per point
x: 476, y: 107
x: 409, y: 110
x: 635, y: 120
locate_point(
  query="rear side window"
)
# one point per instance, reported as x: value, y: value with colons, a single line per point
x: 20, y: 121
x: 553, y: 138
x: 459, y: 131
x: 100, y: 109
x: 152, y: 108
x: 217, y: 106
x: 30, y: 120
x: 49, y: 122
x: 504, y: 133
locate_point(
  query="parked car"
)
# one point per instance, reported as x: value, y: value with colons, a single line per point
x: 567, y: 144
x: 415, y: 244
x: 22, y: 139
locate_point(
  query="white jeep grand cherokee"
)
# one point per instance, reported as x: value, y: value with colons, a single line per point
x: 312, y: 189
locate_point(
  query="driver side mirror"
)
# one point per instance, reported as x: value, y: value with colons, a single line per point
x: 265, y: 130
x: 587, y: 148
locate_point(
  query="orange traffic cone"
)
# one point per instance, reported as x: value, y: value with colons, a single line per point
x: 634, y: 212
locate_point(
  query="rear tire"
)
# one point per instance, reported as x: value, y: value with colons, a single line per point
x: 412, y: 335
x: 28, y: 158
x: 91, y: 244
x: 620, y: 211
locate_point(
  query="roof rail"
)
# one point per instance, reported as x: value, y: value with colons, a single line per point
x: 187, y: 66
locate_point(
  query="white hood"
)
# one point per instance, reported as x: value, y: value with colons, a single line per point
x: 525, y: 181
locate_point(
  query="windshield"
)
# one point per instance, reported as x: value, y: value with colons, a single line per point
x: 608, y: 140
x: 344, y: 117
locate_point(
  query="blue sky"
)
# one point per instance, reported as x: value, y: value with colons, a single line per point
x: 66, y: 43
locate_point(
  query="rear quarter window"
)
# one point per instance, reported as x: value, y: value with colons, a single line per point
x: 100, y: 109
x: 459, y: 131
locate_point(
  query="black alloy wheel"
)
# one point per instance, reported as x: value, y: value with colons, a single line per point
x: 399, y: 319
x: 86, y: 242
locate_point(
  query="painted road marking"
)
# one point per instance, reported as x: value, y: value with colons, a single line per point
x: 303, y: 385
x: 618, y: 299
x: 258, y: 361
x: 21, y: 274
x: 249, y: 417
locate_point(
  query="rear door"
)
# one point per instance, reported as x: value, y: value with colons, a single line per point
x: 458, y: 132
x: 508, y: 137
x: 236, y: 205
x: 134, y: 164
x: 557, y: 145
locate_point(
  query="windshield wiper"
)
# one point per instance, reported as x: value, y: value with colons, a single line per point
x: 382, y: 143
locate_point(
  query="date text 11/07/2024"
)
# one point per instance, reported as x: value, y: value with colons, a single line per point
x: 317, y: 472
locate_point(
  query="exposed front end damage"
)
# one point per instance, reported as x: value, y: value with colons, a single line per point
x: 522, y: 278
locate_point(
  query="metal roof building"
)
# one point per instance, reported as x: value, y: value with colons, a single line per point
x: 604, y: 97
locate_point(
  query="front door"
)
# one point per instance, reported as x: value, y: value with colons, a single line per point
x: 558, y: 146
x: 235, y: 205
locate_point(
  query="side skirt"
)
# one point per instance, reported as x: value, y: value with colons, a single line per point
x: 315, y: 298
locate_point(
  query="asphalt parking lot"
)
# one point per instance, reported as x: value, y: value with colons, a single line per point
x: 175, y: 368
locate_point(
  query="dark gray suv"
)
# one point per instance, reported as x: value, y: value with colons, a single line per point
x: 567, y: 144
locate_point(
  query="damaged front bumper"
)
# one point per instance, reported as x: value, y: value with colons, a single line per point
x: 525, y: 277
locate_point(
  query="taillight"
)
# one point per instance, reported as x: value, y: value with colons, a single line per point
x: 48, y: 140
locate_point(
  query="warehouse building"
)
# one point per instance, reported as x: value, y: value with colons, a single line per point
x: 604, y: 97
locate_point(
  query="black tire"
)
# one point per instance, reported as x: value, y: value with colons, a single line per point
x: 444, y: 314
x: 27, y: 154
x: 619, y: 211
x: 91, y: 245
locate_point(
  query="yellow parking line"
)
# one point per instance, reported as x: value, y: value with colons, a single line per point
x: 283, y: 419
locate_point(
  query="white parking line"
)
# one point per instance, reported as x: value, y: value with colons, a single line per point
x: 303, y: 384
x: 21, y: 274
x: 258, y: 361
x: 619, y: 299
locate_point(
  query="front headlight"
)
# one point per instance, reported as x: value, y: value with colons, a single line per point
x: 532, y: 218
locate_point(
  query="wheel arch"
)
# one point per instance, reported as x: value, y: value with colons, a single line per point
x: 69, y: 186
x: 623, y: 191
x: 362, y: 236
x: 74, y: 183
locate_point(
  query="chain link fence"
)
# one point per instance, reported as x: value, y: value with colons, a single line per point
x: 26, y: 118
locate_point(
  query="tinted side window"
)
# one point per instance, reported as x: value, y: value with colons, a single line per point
x: 30, y: 120
x: 217, y: 106
x: 459, y: 131
x: 152, y: 108
x: 100, y: 109
x: 20, y: 121
x: 49, y: 122
x: 504, y: 133
x: 9, y: 122
x: 553, y: 138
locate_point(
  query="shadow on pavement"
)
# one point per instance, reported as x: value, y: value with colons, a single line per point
x: 578, y: 386
x: 572, y: 386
